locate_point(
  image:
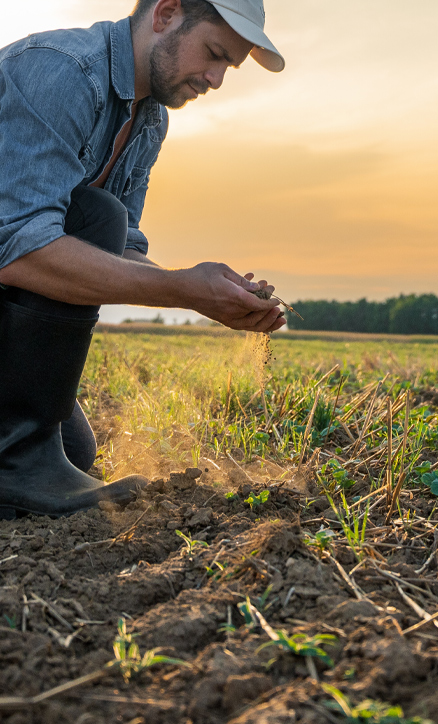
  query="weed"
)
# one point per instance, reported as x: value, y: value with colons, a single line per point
x: 11, y: 620
x: 128, y: 658
x: 302, y: 645
x: 373, y: 712
x: 190, y: 544
x: 334, y: 471
x: 428, y: 477
x: 261, y: 603
x: 232, y: 497
x: 216, y: 574
x: 247, y: 611
x: 353, y: 530
x: 254, y: 500
x: 321, y: 540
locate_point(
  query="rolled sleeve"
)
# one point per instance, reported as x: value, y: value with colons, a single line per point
x: 137, y: 240
x: 41, y: 142
x: 18, y: 239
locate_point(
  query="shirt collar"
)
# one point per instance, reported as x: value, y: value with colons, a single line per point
x: 123, y: 71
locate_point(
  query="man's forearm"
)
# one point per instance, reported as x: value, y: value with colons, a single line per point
x: 70, y: 270
x: 135, y: 255
x: 73, y: 271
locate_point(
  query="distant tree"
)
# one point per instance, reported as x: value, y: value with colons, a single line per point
x: 409, y: 314
x: 415, y: 315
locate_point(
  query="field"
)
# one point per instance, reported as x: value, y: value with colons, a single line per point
x: 279, y: 567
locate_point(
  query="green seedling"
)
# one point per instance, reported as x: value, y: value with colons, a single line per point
x: 128, y: 658
x: 428, y: 477
x: 247, y: 610
x: 11, y: 620
x: 191, y: 544
x: 254, y: 500
x: 333, y: 470
x: 302, y: 645
x: 349, y: 519
x: 373, y: 712
x: 261, y: 602
x: 321, y: 540
x: 216, y: 573
x: 231, y: 497
x: 251, y: 613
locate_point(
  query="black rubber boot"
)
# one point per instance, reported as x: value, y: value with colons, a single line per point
x: 41, y: 361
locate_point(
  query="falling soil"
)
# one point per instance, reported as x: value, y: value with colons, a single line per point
x: 259, y: 353
x: 66, y: 582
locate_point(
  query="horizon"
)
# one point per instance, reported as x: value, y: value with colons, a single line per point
x: 320, y: 179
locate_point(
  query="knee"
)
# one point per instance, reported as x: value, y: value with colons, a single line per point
x: 98, y: 217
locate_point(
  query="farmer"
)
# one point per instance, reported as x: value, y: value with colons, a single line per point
x: 82, y: 119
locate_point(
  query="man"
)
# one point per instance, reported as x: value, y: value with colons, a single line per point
x: 82, y: 115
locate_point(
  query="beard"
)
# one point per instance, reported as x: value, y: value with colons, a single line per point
x: 163, y: 69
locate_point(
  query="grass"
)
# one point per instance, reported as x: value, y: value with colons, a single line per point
x: 184, y: 398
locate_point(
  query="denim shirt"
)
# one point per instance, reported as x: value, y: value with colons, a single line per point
x: 64, y: 96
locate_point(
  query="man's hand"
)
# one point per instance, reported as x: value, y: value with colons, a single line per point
x: 221, y: 294
x: 73, y: 271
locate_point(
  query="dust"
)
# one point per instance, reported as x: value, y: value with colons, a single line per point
x: 259, y: 352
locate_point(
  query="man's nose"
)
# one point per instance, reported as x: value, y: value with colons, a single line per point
x: 215, y: 77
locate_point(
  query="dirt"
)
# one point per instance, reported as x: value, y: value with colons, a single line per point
x: 65, y: 584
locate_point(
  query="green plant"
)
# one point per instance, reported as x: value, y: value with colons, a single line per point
x: 373, y: 712
x: 349, y: 519
x: 231, y: 497
x: 11, y: 620
x: 190, y: 543
x: 321, y: 540
x: 333, y: 470
x: 428, y: 477
x: 254, y: 500
x: 261, y: 601
x: 302, y: 645
x: 247, y: 610
x: 220, y: 568
x: 128, y: 658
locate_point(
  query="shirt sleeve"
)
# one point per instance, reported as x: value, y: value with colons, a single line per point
x: 42, y: 141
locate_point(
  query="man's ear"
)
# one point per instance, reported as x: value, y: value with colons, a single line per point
x: 166, y: 12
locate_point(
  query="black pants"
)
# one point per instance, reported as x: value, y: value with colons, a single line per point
x: 95, y: 216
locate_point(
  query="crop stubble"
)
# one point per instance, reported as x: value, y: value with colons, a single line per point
x: 66, y: 582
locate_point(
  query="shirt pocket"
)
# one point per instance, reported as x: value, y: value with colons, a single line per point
x: 136, y: 178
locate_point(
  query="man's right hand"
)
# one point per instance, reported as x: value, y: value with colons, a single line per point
x: 218, y: 292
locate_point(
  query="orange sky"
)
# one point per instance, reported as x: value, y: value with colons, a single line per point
x: 322, y: 179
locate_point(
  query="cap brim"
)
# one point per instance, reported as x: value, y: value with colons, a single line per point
x: 264, y: 52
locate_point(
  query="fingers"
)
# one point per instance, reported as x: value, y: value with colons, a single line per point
x: 244, y: 282
x: 280, y: 322
x: 261, y: 321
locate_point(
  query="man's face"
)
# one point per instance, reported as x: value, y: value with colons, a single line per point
x: 185, y: 65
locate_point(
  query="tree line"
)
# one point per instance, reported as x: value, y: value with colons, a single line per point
x: 406, y: 314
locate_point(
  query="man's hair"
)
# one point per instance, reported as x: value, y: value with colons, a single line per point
x: 195, y: 11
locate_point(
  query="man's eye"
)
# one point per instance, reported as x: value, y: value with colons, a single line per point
x: 214, y: 55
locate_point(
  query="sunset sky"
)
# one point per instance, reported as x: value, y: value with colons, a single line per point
x: 322, y: 179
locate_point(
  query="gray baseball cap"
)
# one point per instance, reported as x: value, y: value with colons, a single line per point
x: 247, y: 18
